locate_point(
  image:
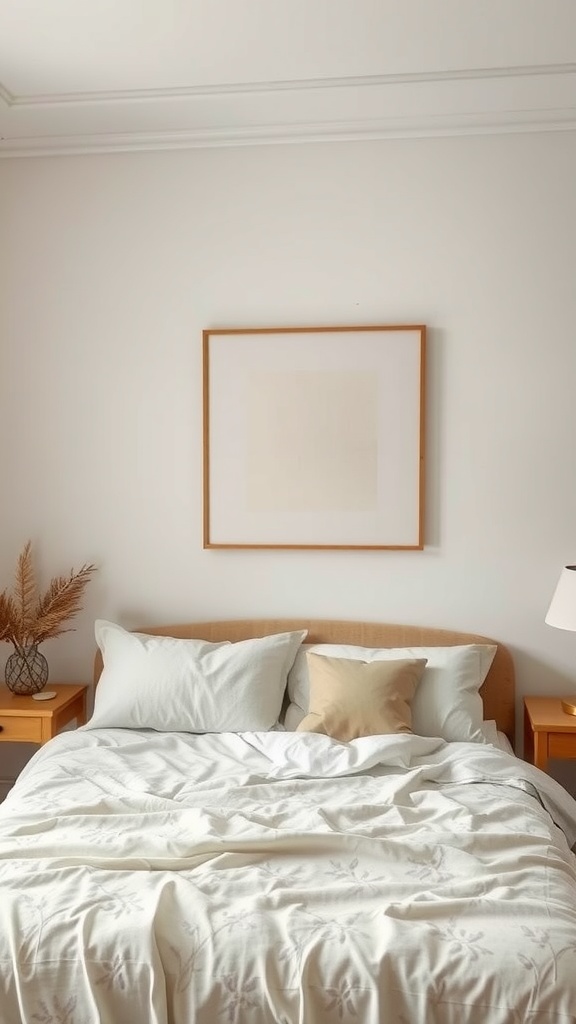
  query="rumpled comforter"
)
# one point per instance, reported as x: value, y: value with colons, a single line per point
x: 286, y: 878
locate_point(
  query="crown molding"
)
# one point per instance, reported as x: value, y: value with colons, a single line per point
x: 558, y: 121
x: 224, y: 88
x: 462, y: 102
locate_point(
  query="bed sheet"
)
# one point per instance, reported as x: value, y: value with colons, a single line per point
x: 285, y: 877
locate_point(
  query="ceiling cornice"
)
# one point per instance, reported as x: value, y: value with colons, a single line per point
x: 460, y: 102
x: 360, y: 81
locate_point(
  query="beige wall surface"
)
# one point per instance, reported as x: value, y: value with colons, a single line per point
x: 111, y: 266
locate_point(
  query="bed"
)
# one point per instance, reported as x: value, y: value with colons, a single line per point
x: 289, y: 821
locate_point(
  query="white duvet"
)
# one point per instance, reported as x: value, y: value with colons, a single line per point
x: 284, y: 877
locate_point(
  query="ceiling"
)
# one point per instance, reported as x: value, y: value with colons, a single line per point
x: 107, y: 75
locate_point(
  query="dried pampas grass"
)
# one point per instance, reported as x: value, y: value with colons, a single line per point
x: 28, y: 618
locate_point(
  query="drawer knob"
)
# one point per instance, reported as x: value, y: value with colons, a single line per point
x: 1, y: 728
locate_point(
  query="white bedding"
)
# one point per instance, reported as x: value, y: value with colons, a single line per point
x: 281, y: 877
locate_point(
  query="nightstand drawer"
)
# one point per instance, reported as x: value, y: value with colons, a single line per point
x: 562, y: 744
x: 548, y: 731
x: 26, y: 720
x: 20, y: 730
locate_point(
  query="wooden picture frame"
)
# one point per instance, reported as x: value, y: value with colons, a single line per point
x: 313, y: 437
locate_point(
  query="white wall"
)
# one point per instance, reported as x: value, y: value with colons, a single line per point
x: 112, y: 265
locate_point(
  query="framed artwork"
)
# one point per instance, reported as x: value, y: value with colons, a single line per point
x: 314, y: 437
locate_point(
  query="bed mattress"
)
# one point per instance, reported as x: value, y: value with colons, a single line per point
x: 285, y: 877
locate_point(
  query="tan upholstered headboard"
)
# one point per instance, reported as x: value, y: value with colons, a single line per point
x: 498, y: 691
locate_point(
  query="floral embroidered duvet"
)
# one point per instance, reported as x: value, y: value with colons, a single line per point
x: 285, y: 877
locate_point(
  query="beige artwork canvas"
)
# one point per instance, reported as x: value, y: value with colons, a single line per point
x: 313, y: 437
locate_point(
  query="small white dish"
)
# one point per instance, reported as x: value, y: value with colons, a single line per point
x: 44, y: 695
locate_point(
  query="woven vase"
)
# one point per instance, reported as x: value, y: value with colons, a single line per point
x: 26, y: 670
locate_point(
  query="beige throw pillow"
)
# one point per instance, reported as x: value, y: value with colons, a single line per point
x: 358, y: 698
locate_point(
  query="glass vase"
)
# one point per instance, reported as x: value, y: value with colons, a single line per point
x: 26, y: 670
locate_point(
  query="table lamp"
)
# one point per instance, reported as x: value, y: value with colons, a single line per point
x: 562, y: 613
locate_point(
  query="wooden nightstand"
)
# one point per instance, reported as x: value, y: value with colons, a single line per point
x: 548, y: 731
x: 24, y: 720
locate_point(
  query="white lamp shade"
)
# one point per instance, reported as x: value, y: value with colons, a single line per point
x: 562, y: 610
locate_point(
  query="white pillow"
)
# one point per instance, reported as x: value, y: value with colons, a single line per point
x: 293, y: 716
x: 446, y: 703
x: 169, y: 684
